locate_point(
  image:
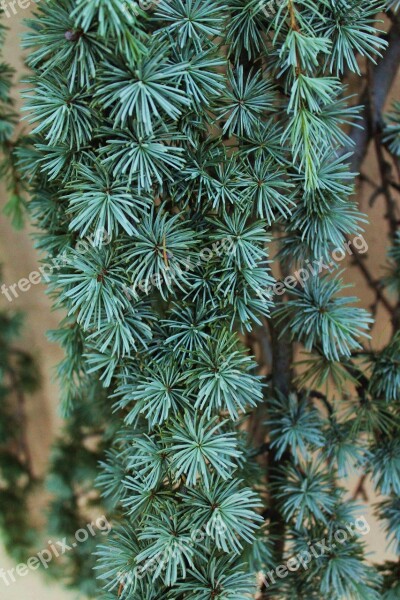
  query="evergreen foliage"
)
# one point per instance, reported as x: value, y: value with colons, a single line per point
x: 73, y: 467
x: 70, y: 480
x: 392, y: 132
x: 18, y: 482
x: 14, y: 208
x: 193, y: 135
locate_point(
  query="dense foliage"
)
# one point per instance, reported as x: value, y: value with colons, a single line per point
x: 193, y: 136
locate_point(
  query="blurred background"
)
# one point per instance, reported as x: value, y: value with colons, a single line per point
x: 43, y: 422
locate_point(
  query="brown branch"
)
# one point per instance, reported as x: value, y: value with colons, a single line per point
x: 385, y: 170
x: 384, y: 73
x: 360, y: 489
x: 373, y: 283
x: 282, y: 378
x: 292, y: 14
x: 320, y: 396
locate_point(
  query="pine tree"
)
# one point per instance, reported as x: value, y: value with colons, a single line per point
x: 172, y: 152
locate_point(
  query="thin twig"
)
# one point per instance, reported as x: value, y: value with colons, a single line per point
x: 373, y: 283
x: 360, y: 489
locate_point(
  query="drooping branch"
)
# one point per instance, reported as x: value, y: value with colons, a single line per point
x: 384, y: 74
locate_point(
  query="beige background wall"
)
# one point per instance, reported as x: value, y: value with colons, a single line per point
x: 19, y: 259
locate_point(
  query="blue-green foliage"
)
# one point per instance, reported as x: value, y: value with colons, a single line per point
x: 392, y: 129
x: 195, y: 135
